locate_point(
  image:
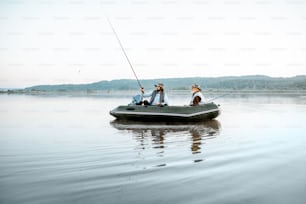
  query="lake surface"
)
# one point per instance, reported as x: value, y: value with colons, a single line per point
x: 64, y: 149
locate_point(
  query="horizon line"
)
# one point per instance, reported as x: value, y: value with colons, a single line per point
x: 132, y: 79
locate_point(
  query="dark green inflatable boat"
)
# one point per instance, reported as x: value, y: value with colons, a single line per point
x: 166, y: 113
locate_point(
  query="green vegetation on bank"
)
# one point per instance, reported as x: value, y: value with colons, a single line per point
x: 229, y: 83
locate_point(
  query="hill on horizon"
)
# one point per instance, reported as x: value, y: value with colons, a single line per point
x: 231, y: 83
x: 251, y: 82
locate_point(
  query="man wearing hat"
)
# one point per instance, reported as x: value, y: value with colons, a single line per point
x: 158, y: 96
x: 197, y: 96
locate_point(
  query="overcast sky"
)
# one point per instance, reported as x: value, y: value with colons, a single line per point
x: 70, y: 41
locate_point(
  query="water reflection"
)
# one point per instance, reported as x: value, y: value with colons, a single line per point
x: 163, y: 136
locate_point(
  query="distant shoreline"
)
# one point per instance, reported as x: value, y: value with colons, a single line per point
x: 172, y: 92
x: 230, y: 84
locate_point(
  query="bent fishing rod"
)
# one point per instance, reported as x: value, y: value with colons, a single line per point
x: 125, y: 53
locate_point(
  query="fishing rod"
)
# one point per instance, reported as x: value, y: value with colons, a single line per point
x: 125, y: 53
x: 210, y: 100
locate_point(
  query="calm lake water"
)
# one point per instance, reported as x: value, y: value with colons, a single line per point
x: 61, y: 149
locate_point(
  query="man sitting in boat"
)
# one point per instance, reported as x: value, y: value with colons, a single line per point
x: 158, y: 96
x: 197, y: 96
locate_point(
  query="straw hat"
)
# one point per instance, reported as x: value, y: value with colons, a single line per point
x: 196, y: 86
x: 159, y: 84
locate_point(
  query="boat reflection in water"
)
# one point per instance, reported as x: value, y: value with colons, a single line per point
x: 170, y: 137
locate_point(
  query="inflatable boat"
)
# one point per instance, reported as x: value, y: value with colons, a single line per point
x: 166, y: 113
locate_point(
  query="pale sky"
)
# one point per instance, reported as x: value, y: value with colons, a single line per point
x: 70, y: 41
